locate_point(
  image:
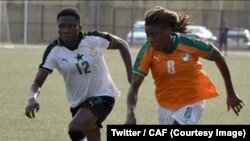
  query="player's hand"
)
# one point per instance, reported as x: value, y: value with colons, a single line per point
x: 235, y: 103
x: 131, y: 120
x: 32, y: 107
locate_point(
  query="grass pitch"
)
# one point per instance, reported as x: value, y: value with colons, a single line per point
x: 18, y: 68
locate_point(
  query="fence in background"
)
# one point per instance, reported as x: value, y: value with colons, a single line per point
x: 42, y: 26
x: 4, y: 24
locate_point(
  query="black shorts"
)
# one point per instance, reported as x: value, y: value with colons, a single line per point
x: 101, y: 106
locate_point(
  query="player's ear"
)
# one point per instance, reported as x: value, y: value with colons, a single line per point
x: 80, y: 27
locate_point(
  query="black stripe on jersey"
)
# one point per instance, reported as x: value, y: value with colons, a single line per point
x: 46, y: 53
x: 102, y: 35
x: 99, y: 34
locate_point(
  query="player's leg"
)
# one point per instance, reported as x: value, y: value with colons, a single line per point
x: 83, y: 120
x: 90, y: 115
x: 101, y: 107
x: 75, y: 133
x: 94, y: 134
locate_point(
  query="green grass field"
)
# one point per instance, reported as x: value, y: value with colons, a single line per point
x: 19, y: 65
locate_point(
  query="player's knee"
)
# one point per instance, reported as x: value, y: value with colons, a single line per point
x: 76, y: 135
x: 76, y: 125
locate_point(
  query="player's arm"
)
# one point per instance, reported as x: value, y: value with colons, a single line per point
x: 233, y: 100
x: 33, y: 106
x: 132, y: 98
x: 118, y: 43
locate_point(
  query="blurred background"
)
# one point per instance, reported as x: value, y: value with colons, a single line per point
x: 34, y: 22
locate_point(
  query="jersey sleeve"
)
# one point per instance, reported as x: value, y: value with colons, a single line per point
x: 196, y: 47
x: 48, y: 61
x: 143, y: 59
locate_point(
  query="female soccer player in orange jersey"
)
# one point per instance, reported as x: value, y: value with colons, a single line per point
x: 173, y: 58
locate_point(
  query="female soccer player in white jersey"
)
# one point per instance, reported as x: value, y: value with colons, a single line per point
x: 79, y: 59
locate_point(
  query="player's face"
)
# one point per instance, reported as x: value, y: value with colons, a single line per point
x: 68, y: 29
x: 158, y: 36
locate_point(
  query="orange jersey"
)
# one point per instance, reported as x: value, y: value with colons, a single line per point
x: 178, y: 76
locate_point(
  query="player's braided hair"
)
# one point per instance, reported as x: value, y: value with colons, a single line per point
x: 166, y: 18
x: 70, y: 11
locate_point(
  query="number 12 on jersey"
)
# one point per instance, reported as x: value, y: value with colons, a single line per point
x: 83, y: 67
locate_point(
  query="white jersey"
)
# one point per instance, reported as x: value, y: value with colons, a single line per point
x: 84, y: 69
